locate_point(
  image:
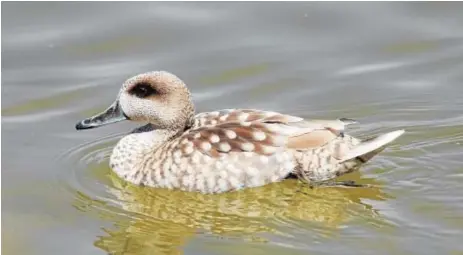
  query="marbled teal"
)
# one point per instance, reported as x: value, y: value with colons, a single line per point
x: 224, y: 150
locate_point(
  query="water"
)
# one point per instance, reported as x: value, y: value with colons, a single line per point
x: 389, y: 65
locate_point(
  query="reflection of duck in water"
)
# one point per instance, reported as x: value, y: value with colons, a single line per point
x: 163, y: 221
x: 225, y: 150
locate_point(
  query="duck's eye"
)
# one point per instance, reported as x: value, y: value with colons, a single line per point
x: 142, y: 90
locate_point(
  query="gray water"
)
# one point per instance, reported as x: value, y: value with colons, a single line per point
x: 388, y: 65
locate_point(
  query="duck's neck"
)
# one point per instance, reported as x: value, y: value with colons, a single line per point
x: 148, y: 136
x: 134, y: 149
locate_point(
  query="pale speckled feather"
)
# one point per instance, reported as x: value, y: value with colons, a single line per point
x: 243, y: 149
x: 230, y: 149
x: 241, y: 115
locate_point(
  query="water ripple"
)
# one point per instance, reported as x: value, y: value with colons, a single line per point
x: 281, y: 211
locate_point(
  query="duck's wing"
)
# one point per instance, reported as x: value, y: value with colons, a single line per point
x: 251, y: 115
x: 240, y: 115
x: 261, y: 132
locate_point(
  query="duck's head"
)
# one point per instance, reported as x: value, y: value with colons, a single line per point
x: 159, y: 98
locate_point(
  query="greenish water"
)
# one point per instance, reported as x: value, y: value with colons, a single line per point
x: 389, y: 65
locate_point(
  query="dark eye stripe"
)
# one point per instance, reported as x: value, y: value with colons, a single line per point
x: 142, y: 90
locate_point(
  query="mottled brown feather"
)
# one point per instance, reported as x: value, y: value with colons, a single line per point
x: 307, y: 135
x: 233, y: 115
x: 244, y: 133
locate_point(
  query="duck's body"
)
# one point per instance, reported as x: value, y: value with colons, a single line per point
x: 225, y: 150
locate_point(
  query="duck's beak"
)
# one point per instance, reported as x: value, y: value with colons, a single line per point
x: 111, y: 115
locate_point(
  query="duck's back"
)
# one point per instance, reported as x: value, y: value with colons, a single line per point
x: 233, y: 149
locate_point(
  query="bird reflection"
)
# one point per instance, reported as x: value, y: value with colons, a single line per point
x: 159, y: 221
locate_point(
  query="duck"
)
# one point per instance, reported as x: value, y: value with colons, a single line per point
x: 224, y: 150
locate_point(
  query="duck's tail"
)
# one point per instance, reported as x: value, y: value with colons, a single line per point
x: 368, y: 148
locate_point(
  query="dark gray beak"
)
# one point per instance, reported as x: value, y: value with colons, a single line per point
x: 111, y: 115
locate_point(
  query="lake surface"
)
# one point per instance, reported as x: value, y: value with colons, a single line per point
x: 388, y: 65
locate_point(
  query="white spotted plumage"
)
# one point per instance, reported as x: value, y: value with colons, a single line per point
x: 230, y: 134
x: 247, y: 146
x: 206, y: 146
x: 214, y: 138
x: 229, y: 149
x: 224, y: 147
x: 258, y: 135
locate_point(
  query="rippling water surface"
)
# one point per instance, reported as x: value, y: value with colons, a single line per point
x: 389, y: 65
